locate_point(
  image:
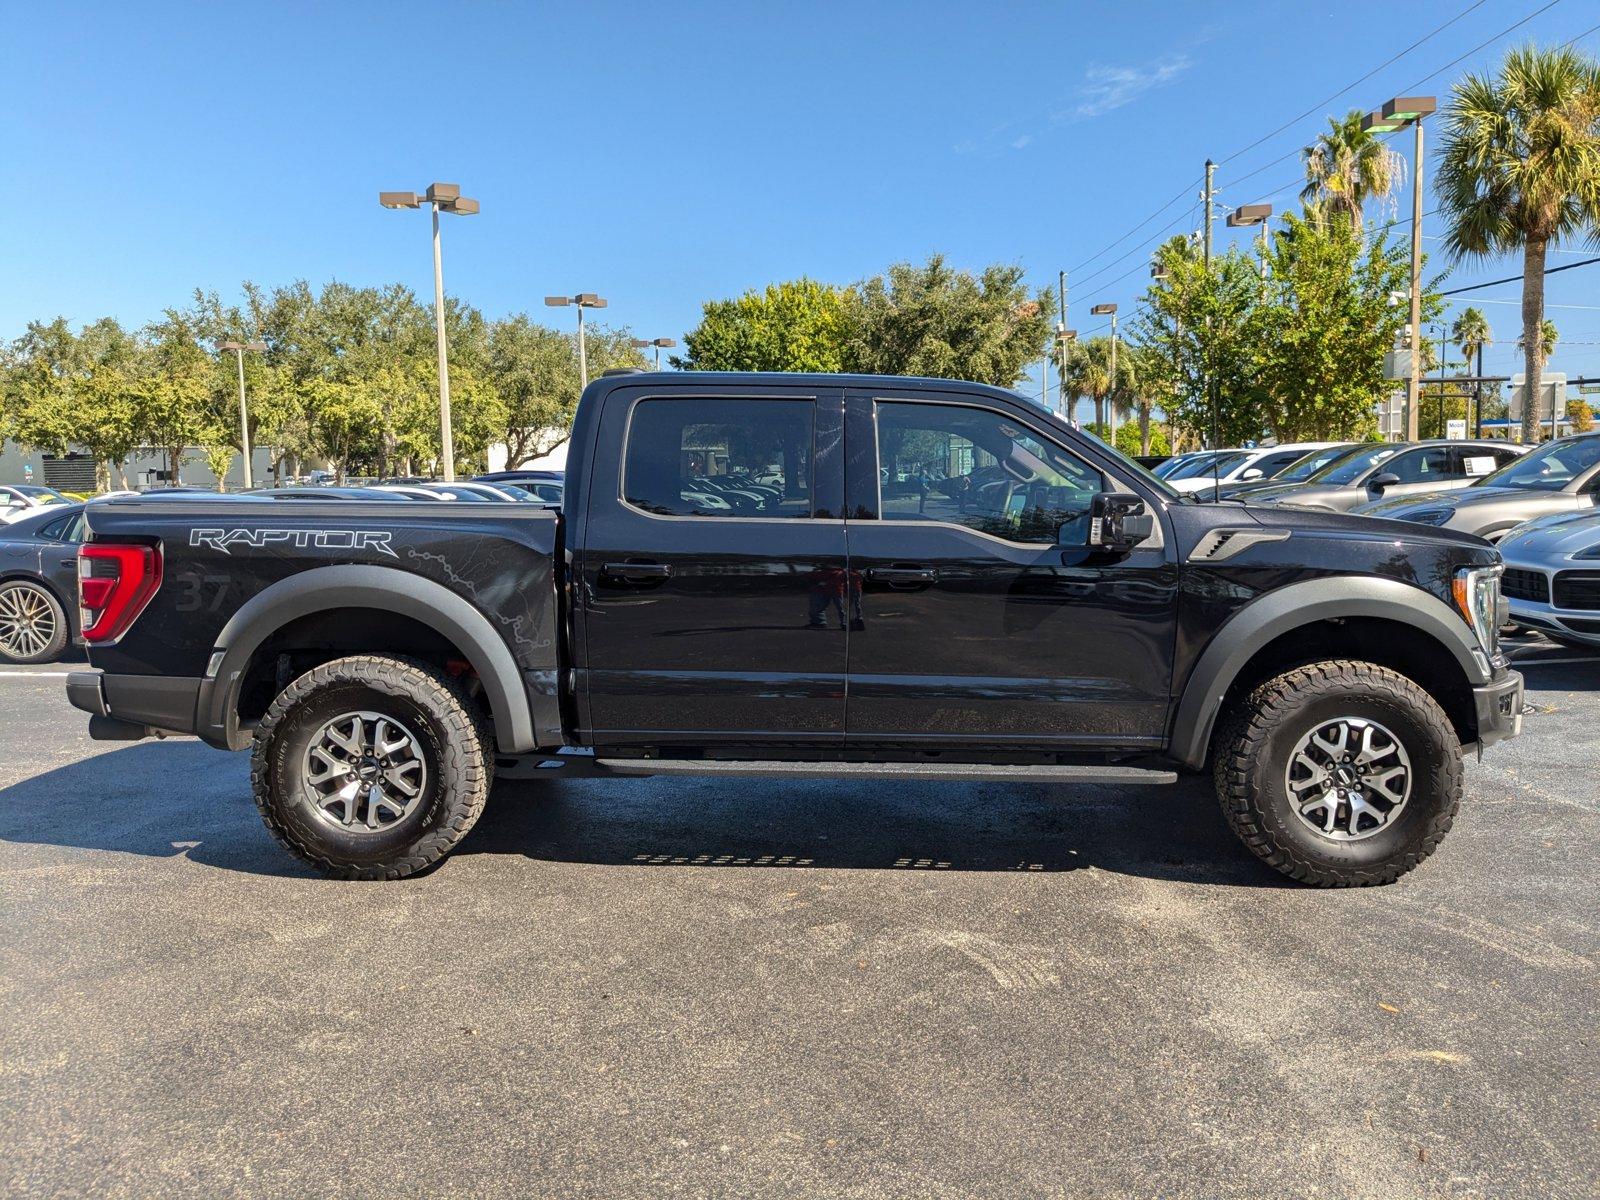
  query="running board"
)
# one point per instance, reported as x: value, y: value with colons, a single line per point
x: 584, y: 766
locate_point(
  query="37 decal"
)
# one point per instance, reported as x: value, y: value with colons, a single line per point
x: 224, y: 540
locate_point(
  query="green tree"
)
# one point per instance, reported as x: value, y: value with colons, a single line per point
x: 1471, y: 333
x: 1323, y: 326
x: 1347, y: 166
x: 1520, y: 171
x: 798, y: 325
x: 938, y: 321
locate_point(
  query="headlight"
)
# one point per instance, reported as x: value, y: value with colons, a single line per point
x: 1429, y: 516
x: 1477, y: 595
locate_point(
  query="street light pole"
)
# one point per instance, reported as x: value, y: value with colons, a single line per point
x: 1254, y: 214
x: 1110, y: 310
x: 1397, y: 114
x: 583, y: 300
x: 658, y: 343
x: 238, y: 349
x: 440, y: 197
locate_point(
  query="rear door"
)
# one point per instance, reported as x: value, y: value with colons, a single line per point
x: 972, y: 625
x: 712, y: 596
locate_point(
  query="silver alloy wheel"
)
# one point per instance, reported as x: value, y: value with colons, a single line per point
x: 1348, y: 778
x: 27, y: 621
x: 364, y: 771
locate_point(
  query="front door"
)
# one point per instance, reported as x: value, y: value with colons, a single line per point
x: 712, y: 574
x: 974, y: 626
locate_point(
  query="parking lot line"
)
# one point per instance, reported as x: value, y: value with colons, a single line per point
x: 34, y: 674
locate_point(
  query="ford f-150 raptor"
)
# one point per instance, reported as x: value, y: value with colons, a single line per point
x: 799, y: 576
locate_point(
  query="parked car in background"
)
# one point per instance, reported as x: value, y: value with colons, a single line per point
x: 1386, y: 470
x: 322, y: 493
x: 1178, y: 460
x: 1552, y: 576
x: 1247, y: 466
x: 39, y: 583
x: 1300, y: 470
x: 18, y: 500
x: 410, y: 491
x: 1560, y: 476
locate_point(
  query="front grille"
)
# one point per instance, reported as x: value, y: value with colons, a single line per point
x: 1518, y: 584
x: 1578, y: 589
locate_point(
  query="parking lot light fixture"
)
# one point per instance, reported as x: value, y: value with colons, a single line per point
x: 1110, y: 310
x: 238, y: 349
x: 440, y: 197
x: 659, y: 344
x: 1397, y: 113
x: 582, y: 300
x: 1247, y: 215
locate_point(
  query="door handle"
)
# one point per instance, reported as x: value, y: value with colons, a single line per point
x: 630, y: 572
x: 903, y: 576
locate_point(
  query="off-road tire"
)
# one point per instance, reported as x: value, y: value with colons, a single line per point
x: 1251, y: 753
x: 456, y: 746
x: 57, y: 643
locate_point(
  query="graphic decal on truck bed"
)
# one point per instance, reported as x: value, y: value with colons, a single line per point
x: 318, y: 539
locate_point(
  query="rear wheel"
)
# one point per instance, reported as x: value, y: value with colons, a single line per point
x: 1340, y: 774
x: 371, y: 767
x: 33, y: 625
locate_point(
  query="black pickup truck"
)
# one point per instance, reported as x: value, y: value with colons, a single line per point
x: 798, y: 576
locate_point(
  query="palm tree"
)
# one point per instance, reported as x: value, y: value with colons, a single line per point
x: 1520, y: 170
x: 1346, y: 167
x: 1088, y: 373
x: 1471, y: 333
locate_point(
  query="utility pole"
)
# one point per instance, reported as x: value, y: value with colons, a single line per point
x: 1061, y: 352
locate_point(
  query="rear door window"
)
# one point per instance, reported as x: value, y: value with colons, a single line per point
x: 720, y: 458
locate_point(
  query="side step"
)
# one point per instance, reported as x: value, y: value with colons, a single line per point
x: 583, y: 766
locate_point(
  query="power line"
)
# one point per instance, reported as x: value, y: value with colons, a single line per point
x: 1132, y: 231
x: 1351, y: 87
x: 1472, y: 287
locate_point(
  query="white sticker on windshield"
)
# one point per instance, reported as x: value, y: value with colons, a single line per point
x: 1480, y: 464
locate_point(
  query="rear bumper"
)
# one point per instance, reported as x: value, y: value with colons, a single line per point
x: 120, y: 705
x: 1499, y: 704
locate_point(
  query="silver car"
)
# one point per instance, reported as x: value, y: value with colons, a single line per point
x: 1387, y: 470
x: 1562, y: 476
x: 1552, y: 579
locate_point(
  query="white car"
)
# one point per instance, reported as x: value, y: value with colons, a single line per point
x: 1242, y: 466
x: 18, y: 500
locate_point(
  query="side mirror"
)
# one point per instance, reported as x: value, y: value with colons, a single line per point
x: 1118, y: 522
x: 1378, y: 482
x: 1252, y: 473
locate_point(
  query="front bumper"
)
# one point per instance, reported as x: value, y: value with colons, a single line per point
x: 1499, y: 704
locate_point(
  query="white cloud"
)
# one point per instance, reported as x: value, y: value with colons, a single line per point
x: 1022, y: 141
x: 1107, y: 88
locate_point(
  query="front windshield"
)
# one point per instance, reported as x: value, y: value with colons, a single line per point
x: 1220, y: 463
x: 1172, y: 464
x: 1304, y: 468
x: 1549, y: 469
x: 44, y: 495
x: 1354, y: 465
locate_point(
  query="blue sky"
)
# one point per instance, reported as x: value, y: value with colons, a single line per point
x: 664, y: 154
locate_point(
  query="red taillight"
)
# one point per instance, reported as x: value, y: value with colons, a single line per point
x: 115, y: 582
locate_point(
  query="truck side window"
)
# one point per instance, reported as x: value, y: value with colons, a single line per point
x: 978, y: 468
x: 699, y: 457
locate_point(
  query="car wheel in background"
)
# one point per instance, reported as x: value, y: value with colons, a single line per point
x: 371, y: 767
x: 1339, y: 773
x: 33, y: 625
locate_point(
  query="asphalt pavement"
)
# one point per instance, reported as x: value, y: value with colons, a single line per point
x: 680, y: 987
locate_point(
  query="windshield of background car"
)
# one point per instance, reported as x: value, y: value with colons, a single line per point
x: 1353, y: 466
x: 1304, y: 468
x: 45, y: 495
x: 1549, y: 469
x: 1220, y: 463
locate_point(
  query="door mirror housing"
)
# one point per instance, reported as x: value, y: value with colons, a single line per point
x: 1379, y: 482
x: 1118, y: 521
x: 1252, y: 473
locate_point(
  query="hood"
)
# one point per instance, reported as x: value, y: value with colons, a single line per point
x: 1460, y: 498
x: 1298, y: 493
x: 1559, y: 535
x: 1369, y: 529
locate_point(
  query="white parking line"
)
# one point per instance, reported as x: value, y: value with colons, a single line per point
x: 34, y: 674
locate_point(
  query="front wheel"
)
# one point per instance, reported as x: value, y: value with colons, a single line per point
x: 371, y: 767
x: 1340, y: 774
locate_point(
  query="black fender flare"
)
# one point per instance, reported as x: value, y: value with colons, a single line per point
x: 1288, y: 608
x: 349, y: 585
